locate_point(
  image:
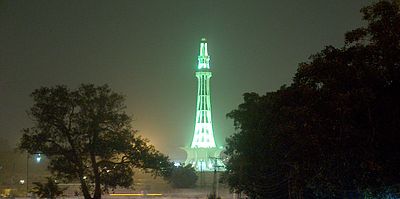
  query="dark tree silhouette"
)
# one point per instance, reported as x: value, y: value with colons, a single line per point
x: 335, y: 130
x: 183, y: 177
x: 87, y: 136
x: 50, y: 189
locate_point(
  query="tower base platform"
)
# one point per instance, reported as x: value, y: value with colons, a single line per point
x: 204, y: 159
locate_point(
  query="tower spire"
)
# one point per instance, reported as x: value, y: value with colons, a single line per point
x: 203, y: 58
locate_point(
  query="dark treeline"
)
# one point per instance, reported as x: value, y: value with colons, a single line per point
x: 335, y: 131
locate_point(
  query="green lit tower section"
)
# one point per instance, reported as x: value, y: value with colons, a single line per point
x: 203, y: 150
x: 203, y: 132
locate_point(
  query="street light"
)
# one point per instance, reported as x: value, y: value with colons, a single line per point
x: 38, y: 158
x: 215, y: 178
x: 201, y: 173
x: 1, y: 167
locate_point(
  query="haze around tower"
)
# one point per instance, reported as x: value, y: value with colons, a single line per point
x: 147, y: 51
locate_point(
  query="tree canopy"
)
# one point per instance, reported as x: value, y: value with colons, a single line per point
x: 87, y: 136
x: 335, y: 130
x: 183, y: 176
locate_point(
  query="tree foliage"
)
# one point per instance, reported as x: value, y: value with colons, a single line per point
x: 183, y: 176
x: 50, y: 189
x: 335, y: 129
x: 87, y: 136
x: 252, y: 165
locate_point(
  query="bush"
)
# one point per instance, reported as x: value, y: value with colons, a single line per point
x: 183, y: 177
x: 50, y: 189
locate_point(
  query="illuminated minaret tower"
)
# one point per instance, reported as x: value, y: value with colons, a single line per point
x: 203, y: 148
x: 203, y: 132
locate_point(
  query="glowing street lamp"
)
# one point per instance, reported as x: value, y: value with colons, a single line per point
x: 38, y: 158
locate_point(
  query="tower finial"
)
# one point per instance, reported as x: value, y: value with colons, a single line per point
x: 204, y: 59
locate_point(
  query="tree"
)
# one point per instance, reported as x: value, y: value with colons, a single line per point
x: 254, y: 166
x: 350, y: 98
x: 87, y: 136
x: 335, y: 129
x: 50, y: 189
x: 183, y: 176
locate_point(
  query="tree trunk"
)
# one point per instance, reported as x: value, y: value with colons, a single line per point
x: 97, y: 188
x: 84, y: 188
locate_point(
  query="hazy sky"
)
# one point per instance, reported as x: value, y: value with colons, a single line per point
x: 147, y: 50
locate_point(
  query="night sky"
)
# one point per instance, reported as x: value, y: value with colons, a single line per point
x: 147, y: 50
